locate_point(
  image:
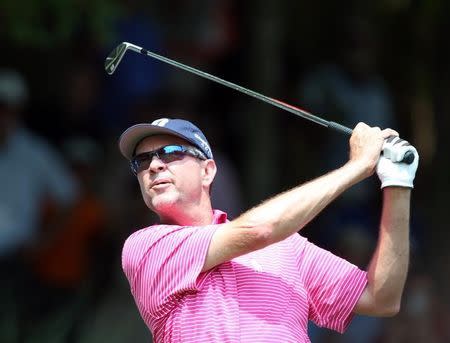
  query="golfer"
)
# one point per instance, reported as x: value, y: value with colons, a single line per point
x: 198, y: 277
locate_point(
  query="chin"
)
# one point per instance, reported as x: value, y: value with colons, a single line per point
x: 163, y: 202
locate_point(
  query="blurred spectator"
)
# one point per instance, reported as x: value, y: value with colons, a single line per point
x: 137, y: 76
x: 203, y: 33
x: 30, y: 171
x: 32, y: 176
x: 226, y: 192
x: 81, y: 92
x: 65, y: 260
x: 205, y: 36
x: 348, y: 91
x: 75, y: 110
x: 115, y: 316
x: 70, y: 267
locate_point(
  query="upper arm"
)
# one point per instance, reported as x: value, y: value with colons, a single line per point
x: 231, y: 240
x: 333, y: 284
x: 165, y: 262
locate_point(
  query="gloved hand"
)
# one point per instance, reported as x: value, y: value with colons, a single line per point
x: 390, y: 170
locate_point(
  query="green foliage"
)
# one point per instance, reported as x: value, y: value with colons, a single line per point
x: 46, y: 23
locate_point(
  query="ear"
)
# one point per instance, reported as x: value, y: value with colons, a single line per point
x: 208, y: 172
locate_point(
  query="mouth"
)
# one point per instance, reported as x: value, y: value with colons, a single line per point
x: 160, y: 183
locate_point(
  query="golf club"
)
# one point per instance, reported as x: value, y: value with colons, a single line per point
x: 114, y: 58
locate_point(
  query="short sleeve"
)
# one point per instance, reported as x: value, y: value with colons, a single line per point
x: 334, y: 285
x: 162, y: 263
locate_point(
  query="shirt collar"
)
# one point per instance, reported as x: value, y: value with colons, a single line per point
x: 219, y: 217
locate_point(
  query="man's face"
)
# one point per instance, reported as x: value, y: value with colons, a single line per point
x: 165, y: 186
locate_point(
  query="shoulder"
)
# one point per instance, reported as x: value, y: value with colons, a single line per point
x: 138, y: 244
x: 147, y: 236
x: 162, y: 256
x: 159, y: 242
x: 297, y: 241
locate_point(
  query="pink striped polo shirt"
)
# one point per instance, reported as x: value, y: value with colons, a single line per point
x: 265, y: 296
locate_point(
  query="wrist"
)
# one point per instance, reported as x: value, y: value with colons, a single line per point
x: 395, y: 194
x: 390, y: 183
x: 359, y: 168
x: 397, y: 190
x: 398, y: 200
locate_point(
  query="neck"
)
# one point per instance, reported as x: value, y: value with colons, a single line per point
x: 188, y: 216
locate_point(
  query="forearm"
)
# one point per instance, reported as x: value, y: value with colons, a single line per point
x: 288, y: 212
x: 389, y: 265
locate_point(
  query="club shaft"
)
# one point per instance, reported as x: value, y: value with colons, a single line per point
x: 115, y: 57
x: 292, y: 109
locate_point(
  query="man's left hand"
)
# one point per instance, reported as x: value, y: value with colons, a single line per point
x: 390, y: 170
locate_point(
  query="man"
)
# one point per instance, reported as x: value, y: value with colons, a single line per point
x: 197, y: 277
x: 32, y: 173
x: 33, y: 177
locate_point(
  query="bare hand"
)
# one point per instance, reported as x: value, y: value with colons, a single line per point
x: 365, y: 146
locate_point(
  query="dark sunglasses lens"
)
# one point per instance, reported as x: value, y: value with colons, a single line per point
x: 171, y: 153
x: 166, y: 154
x: 141, y: 163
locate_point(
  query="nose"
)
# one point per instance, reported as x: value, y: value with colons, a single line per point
x: 156, y: 165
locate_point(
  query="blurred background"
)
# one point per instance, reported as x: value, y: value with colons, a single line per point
x: 68, y: 199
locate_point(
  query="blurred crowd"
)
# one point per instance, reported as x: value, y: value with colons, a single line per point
x: 68, y: 199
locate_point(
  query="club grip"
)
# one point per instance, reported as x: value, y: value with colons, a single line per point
x: 408, y: 158
x: 409, y: 155
x: 340, y: 128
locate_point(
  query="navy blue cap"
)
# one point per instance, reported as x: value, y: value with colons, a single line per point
x: 164, y: 126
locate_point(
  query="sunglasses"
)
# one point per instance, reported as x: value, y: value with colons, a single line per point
x: 166, y: 154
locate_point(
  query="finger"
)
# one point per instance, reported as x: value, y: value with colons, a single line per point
x: 375, y: 129
x: 401, y: 142
x: 392, y: 139
x: 361, y: 126
x: 389, y: 132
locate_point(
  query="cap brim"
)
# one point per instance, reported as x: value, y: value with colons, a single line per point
x: 134, y: 134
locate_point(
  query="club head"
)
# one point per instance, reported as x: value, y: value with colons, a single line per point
x: 114, y: 58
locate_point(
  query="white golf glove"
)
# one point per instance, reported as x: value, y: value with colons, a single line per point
x: 390, y: 170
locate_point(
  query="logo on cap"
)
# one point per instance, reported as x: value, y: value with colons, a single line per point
x: 160, y: 122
